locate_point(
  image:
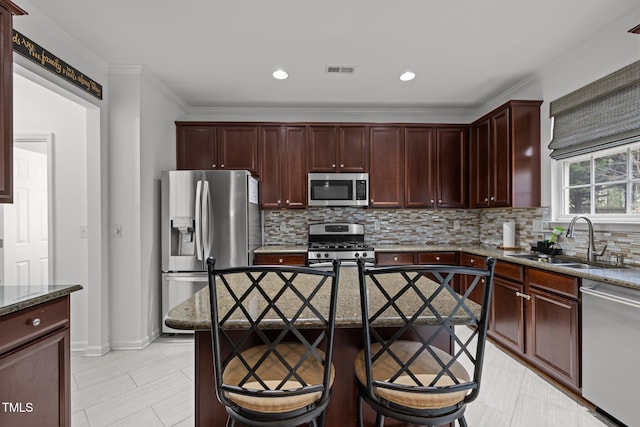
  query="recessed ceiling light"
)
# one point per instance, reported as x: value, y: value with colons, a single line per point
x: 280, y: 74
x: 405, y: 77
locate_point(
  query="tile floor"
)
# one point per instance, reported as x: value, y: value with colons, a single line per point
x: 154, y: 387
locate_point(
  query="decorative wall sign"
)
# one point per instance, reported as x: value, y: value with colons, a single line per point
x: 36, y: 53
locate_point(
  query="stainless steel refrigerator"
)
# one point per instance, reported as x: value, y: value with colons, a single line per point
x: 205, y: 213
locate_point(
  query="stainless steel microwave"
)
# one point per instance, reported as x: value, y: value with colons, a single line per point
x: 338, y: 189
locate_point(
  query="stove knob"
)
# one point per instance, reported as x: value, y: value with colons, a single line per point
x: 357, y: 255
x: 364, y: 254
x: 318, y: 255
x: 326, y: 254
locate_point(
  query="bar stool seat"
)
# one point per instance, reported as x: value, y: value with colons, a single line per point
x: 424, y: 369
x: 270, y: 376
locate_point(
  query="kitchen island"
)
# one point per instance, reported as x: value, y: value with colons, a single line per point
x: 35, y: 389
x: 194, y: 314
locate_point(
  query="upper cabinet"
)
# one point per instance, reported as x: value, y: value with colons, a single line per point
x: 337, y: 148
x: 7, y: 10
x: 451, y: 167
x: 207, y: 146
x: 283, y: 176
x: 505, y: 157
x: 386, y: 161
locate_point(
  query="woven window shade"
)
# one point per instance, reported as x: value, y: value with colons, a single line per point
x: 603, y: 114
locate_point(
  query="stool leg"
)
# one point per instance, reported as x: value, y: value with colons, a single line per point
x: 230, y: 422
x: 379, y: 420
x: 462, y: 422
x: 359, y: 410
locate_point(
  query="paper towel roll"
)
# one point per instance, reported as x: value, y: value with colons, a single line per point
x: 509, y: 234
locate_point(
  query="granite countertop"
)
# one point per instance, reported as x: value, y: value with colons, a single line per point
x: 277, y: 249
x: 15, y: 298
x: 627, y: 276
x: 194, y: 313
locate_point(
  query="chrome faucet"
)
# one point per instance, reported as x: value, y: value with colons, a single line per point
x: 591, y: 244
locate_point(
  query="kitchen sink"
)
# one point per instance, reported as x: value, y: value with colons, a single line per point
x: 566, y: 261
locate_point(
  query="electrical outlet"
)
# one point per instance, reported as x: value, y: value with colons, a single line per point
x: 537, y: 226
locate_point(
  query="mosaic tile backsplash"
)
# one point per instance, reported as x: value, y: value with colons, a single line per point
x: 443, y: 227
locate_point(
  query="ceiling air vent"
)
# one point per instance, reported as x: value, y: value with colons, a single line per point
x: 340, y: 69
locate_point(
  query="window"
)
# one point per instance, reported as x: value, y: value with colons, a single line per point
x: 603, y: 183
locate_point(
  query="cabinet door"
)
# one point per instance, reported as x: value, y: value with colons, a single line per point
x: 36, y: 376
x: 419, y: 165
x: 196, y: 147
x: 552, y: 339
x: 507, y: 314
x: 386, y: 162
x: 269, y: 148
x: 500, y: 195
x: 451, y: 180
x: 323, y: 149
x: 352, y: 149
x: 238, y: 148
x: 480, y: 163
x: 294, y: 182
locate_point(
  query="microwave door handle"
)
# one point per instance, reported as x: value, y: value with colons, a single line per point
x: 199, y: 220
x: 206, y: 208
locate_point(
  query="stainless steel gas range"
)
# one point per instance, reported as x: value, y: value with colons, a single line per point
x: 338, y: 240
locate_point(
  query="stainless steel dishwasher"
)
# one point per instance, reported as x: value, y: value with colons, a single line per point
x: 610, y: 349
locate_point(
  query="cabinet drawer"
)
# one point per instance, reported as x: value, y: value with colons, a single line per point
x: 437, y: 258
x: 469, y: 260
x: 509, y: 271
x: 25, y: 325
x: 559, y: 283
x: 280, y: 259
x: 394, y: 258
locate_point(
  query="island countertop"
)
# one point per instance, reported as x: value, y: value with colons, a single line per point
x: 15, y: 298
x: 194, y: 313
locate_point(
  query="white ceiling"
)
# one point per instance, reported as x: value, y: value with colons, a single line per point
x: 214, y: 53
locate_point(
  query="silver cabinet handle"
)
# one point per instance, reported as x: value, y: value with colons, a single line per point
x: 333, y: 165
x: 437, y: 258
x: 341, y: 165
x: 395, y: 258
x: 213, y: 165
x: 492, y: 198
x: 286, y: 201
x: 431, y: 200
x: 473, y: 261
x: 280, y: 260
x: 525, y: 296
x: 440, y: 201
x: 486, y: 199
x: 222, y: 166
x: 35, y: 322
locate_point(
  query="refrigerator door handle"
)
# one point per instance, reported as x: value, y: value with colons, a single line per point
x: 198, y: 230
x: 206, y: 208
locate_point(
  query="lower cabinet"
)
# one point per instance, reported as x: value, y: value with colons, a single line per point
x: 35, y: 366
x: 280, y: 259
x: 535, y: 314
x: 553, y: 325
x: 395, y: 258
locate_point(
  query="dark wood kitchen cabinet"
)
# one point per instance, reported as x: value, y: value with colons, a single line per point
x: 337, y: 148
x: 283, y: 177
x: 505, y: 157
x: 419, y: 167
x: 35, y: 365
x: 451, y: 167
x: 553, y: 325
x: 507, y: 306
x: 223, y: 147
x: 280, y: 259
x: 7, y: 11
x: 435, y: 167
x: 386, y: 160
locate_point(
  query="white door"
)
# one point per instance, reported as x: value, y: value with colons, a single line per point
x: 26, y: 260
